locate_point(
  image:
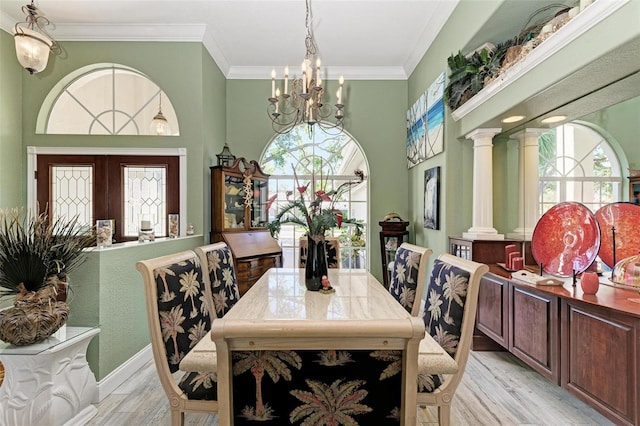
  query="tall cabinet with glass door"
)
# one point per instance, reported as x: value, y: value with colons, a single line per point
x: 239, y: 218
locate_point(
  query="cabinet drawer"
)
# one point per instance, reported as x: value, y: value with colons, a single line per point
x: 262, y: 263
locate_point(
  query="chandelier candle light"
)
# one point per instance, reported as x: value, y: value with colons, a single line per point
x: 303, y: 103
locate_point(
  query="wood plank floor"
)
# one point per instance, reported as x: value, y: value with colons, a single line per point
x: 497, y: 389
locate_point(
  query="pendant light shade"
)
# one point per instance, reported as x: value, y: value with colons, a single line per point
x: 32, y: 49
x: 33, y: 44
x: 159, y: 125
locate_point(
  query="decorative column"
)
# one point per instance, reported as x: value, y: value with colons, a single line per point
x: 482, y: 223
x: 528, y: 159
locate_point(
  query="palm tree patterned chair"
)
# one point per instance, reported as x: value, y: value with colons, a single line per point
x: 222, y: 293
x: 332, y: 249
x: 409, y: 275
x: 449, y: 317
x: 219, y: 277
x: 178, y: 316
x: 317, y: 387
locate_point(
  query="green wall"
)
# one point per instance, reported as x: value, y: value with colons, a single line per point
x: 11, y: 158
x: 108, y: 291
x: 375, y: 117
x: 457, y: 159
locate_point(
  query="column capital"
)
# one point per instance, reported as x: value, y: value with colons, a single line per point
x: 528, y: 132
x: 483, y: 133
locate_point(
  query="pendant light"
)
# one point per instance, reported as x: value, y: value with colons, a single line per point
x: 33, y: 44
x: 159, y: 125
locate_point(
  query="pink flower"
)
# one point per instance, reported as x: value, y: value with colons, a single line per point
x: 339, y: 217
x: 302, y: 189
x: 322, y: 195
x: 271, y: 200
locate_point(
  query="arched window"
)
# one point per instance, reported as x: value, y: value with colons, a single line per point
x: 577, y: 164
x: 106, y: 99
x: 329, y: 156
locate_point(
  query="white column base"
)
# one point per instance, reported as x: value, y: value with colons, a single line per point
x: 478, y: 233
x: 520, y: 234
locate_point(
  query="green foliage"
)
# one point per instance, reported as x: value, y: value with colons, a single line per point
x: 470, y: 73
x: 32, y: 249
x: 307, y: 211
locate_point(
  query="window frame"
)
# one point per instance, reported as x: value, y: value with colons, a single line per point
x: 181, y: 153
x: 563, y: 180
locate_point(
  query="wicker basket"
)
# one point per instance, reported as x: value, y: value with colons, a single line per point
x: 34, y: 317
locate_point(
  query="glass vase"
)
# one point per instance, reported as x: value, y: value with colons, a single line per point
x: 316, y: 265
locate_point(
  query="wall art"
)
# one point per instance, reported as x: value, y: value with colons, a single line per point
x: 432, y: 198
x: 425, y: 124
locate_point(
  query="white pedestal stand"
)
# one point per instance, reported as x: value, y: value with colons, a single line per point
x: 49, y: 383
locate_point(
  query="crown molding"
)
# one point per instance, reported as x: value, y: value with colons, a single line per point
x: 330, y: 73
x: 442, y: 12
x: 200, y: 33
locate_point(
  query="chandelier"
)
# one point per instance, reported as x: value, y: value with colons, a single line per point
x: 33, y: 44
x: 301, y: 100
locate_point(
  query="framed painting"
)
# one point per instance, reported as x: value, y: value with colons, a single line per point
x: 425, y: 124
x: 432, y: 198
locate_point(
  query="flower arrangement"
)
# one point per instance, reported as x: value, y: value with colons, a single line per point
x: 315, y: 210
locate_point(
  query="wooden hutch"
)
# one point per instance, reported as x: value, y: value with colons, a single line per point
x: 587, y: 344
x: 239, y: 195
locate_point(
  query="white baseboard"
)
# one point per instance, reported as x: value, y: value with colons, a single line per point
x: 118, y: 376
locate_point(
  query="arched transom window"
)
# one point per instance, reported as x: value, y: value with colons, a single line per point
x: 577, y: 164
x: 329, y: 158
x: 106, y: 99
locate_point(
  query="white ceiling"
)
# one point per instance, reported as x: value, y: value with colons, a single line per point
x: 360, y: 39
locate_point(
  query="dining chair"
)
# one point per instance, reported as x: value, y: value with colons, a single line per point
x: 178, y: 318
x: 332, y: 249
x: 409, y: 275
x: 219, y: 277
x: 449, y: 317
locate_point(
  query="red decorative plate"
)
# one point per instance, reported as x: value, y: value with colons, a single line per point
x: 625, y: 217
x: 566, y: 239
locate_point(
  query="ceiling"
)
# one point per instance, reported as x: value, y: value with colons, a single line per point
x: 360, y: 39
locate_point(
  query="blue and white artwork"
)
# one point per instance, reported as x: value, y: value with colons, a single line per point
x: 425, y: 124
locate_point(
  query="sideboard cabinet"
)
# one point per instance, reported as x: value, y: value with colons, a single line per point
x: 239, y: 197
x: 589, y: 345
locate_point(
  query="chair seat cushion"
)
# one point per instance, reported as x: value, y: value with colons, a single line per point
x: 199, y: 385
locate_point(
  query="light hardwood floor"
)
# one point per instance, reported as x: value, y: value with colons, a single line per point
x: 497, y: 389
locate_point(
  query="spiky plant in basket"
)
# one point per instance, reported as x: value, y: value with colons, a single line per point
x: 36, y: 254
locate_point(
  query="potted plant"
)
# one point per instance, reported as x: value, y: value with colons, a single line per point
x: 36, y: 254
x: 314, y: 210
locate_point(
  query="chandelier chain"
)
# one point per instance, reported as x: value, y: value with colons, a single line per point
x: 301, y: 98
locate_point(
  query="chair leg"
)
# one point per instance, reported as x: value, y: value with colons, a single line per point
x: 177, y: 418
x: 444, y: 414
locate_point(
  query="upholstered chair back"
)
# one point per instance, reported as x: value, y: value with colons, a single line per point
x: 219, y: 277
x: 449, y: 316
x: 408, y: 276
x: 178, y: 317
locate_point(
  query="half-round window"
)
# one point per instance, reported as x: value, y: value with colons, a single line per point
x: 577, y: 164
x: 107, y: 99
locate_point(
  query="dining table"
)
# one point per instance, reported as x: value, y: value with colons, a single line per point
x: 283, y: 352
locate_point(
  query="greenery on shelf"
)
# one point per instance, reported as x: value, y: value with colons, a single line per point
x: 470, y: 73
